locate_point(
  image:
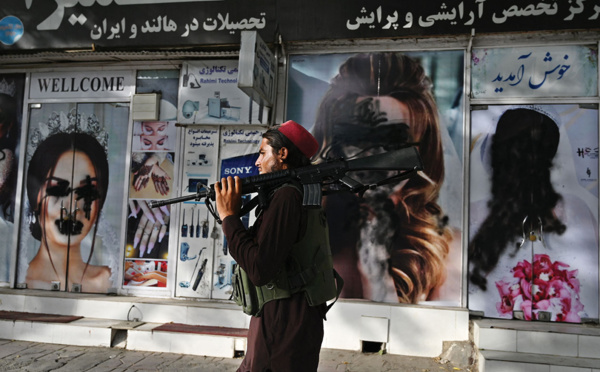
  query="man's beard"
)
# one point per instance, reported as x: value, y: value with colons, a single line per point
x: 277, y: 166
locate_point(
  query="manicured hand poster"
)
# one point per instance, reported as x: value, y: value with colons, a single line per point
x: 400, y: 242
x: 209, y: 94
x: 152, y: 176
x: 533, y: 244
x: 147, y: 245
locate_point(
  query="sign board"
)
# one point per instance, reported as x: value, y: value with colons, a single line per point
x: 549, y: 71
x: 257, y: 67
x: 88, y: 84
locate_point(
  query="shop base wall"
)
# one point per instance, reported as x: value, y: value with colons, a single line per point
x: 400, y: 329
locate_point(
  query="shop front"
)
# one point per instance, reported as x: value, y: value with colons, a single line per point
x: 150, y: 107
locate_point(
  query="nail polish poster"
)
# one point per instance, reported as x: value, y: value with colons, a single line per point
x: 209, y: 94
x: 147, y: 244
x: 145, y: 273
x: 147, y: 230
x: 239, y: 151
x: 533, y: 245
x: 197, y: 227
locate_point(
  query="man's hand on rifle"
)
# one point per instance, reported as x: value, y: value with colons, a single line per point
x: 228, y: 194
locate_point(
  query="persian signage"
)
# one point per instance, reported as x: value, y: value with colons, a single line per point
x: 143, y: 23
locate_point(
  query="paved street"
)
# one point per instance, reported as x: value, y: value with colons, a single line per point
x: 38, y: 357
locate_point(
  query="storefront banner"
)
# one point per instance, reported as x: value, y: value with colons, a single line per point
x: 552, y: 71
x: 11, y: 107
x: 353, y: 111
x: 209, y: 94
x: 174, y: 23
x: 533, y: 212
x: 88, y: 84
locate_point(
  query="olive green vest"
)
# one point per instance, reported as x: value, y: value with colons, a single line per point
x: 308, y: 269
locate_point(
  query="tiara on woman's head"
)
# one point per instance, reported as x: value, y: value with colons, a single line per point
x: 546, y: 110
x: 73, y: 122
x: 8, y: 89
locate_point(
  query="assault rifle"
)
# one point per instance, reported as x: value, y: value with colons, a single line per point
x: 317, y: 180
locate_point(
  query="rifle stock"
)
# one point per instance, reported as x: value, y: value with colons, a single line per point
x: 313, y: 177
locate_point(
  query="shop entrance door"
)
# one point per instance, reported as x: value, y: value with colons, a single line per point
x: 73, y: 196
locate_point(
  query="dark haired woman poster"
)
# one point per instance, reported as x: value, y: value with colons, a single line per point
x: 67, y: 239
x: 533, y: 247
x: 400, y: 242
x: 11, y: 99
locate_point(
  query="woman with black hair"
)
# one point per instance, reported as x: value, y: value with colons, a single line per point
x: 67, y: 183
x: 534, y: 250
x: 9, y: 133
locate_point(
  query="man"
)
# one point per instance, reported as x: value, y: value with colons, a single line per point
x: 287, y: 333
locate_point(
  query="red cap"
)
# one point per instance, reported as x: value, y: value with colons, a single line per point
x: 300, y: 137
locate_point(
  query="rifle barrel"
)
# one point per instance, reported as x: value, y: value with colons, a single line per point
x: 159, y: 203
x: 405, y: 159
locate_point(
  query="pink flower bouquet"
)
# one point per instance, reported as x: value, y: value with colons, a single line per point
x: 550, y: 288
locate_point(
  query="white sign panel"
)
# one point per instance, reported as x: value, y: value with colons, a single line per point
x: 85, y: 84
x: 257, y: 68
x: 209, y: 94
x: 554, y: 71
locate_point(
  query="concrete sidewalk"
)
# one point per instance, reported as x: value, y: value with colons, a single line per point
x: 41, y: 357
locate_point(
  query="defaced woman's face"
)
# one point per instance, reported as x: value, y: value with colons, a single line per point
x: 379, y: 124
x: 59, y: 195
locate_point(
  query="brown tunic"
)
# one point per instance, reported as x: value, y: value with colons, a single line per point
x: 288, y: 335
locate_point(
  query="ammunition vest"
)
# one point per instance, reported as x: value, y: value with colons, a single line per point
x: 308, y: 269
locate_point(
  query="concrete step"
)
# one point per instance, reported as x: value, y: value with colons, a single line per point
x: 560, y: 339
x: 503, y: 361
x: 125, y: 308
x: 515, y: 345
x: 140, y: 336
x: 349, y: 324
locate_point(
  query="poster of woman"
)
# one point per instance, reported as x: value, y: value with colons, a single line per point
x: 72, y: 215
x: 402, y: 241
x: 11, y: 103
x: 533, y: 245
